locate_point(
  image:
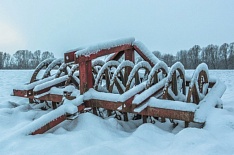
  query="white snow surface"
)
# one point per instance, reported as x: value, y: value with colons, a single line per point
x: 90, y: 134
x: 173, y: 105
x: 146, y: 52
x: 92, y: 49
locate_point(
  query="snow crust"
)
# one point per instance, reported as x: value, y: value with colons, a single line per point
x: 92, y: 49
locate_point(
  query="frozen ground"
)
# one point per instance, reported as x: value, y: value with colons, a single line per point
x: 90, y: 134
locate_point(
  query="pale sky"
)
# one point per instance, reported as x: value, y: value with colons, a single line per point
x: 166, y: 25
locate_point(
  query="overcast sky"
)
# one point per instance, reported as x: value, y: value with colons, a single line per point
x: 165, y: 25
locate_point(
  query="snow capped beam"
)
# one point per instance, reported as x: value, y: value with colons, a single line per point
x: 145, y: 53
x: 93, y: 49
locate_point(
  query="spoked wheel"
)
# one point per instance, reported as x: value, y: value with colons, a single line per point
x: 48, y: 64
x: 198, y: 86
x: 175, y: 86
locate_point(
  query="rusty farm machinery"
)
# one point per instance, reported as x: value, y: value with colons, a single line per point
x: 107, y: 80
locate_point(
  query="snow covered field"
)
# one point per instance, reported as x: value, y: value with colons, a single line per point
x: 90, y: 134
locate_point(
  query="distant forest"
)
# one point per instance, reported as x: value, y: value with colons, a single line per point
x: 216, y: 57
x: 23, y: 59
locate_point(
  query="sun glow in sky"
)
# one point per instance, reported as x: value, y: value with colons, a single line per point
x: 167, y: 26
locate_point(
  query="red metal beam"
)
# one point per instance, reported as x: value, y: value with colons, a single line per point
x: 50, y: 125
x: 142, y: 55
x: 168, y: 113
x: 69, y: 57
x: 106, y: 52
x: 55, y: 122
x: 117, y: 56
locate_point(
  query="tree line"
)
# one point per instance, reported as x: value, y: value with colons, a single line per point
x: 23, y: 59
x: 216, y: 57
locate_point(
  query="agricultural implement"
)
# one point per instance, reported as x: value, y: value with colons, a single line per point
x: 109, y: 80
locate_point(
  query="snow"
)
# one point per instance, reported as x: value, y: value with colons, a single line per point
x: 44, y: 63
x: 156, y: 68
x: 90, y: 134
x: 92, y: 49
x: 102, y: 70
x: 32, y: 85
x: 52, y: 65
x: 43, y: 120
x: 93, y: 94
x: 50, y: 83
x: 122, y: 65
x: 211, y: 100
x: 141, y: 64
x: 148, y: 92
x: 173, y: 105
x: 146, y: 52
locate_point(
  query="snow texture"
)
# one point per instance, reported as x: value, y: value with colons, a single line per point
x: 131, y: 92
x: 45, y: 62
x: 194, y: 80
x: 52, y: 65
x: 141, y: 64
x: 50, y: 83
x: 148, y: 92
x: 173, y: 105
x: 32, y: 85
x: 105, y: 45
x: 146, y: 52
x: 123, y: 64
x: 200, y: 67
x: 155, y: 69
x: 43, y: 120
x: 93, y: 94
x: 211, y: 100
x: 174, y: 67
x: 90, y: 134
x: 102, y: 70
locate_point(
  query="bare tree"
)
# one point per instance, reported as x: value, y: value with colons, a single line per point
x: 210, y: 56
x: 182, y: 56
x: 224, y: 53
x: 1, y: 60
x: 231, y: 56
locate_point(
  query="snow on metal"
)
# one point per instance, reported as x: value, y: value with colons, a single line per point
x: 174, y: 67
x: 102, y: 70
x: 148, y: 92
x: 155, y: 69
x: 45, y: 119
x: 211, y: 100
x: 50, y: 83
x: 173, y: 105
x: 141, y: 64
x: 52, y: 65
x: 105, y: 45
x: 122, y: 65
x: 146, y: 52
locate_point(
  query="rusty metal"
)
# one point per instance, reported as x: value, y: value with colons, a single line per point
x: 88, y: 73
